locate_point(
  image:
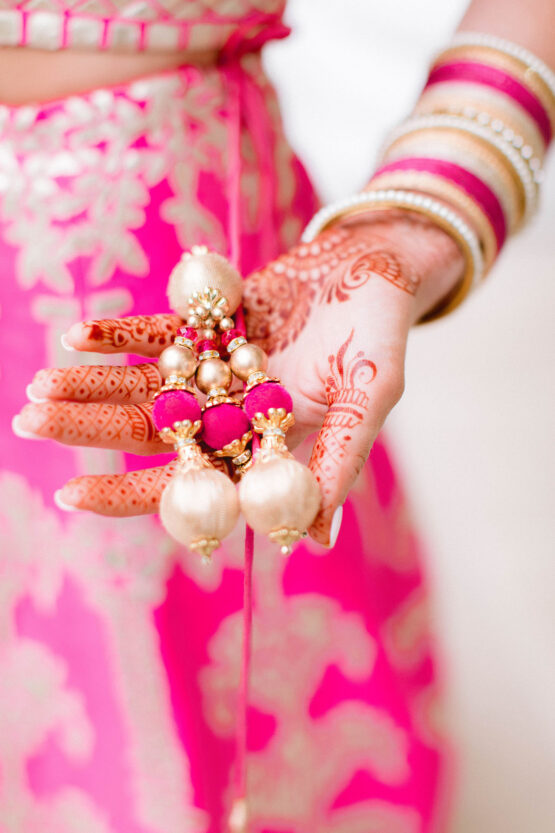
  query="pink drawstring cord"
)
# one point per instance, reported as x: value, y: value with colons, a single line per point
x: 238, y: 818
x: 244, y: 95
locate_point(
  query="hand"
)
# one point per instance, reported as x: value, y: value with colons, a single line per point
x: 334, y: 316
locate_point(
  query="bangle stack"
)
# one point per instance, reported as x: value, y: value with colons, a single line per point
x: 475, y: 143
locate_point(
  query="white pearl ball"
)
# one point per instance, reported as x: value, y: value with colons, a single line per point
x: 280, y: 493
x: 199, y: 504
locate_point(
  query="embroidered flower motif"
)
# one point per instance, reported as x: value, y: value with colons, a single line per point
x: 79, y: 182
x: 120, y: 569
x: 296, y: 641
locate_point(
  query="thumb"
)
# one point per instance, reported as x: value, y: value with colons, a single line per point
x: 360, y: 394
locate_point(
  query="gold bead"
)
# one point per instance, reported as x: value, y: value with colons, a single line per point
x: 213, y: 373
x: 206, y: 333
x: 177, y: 360
x: 247, y: 359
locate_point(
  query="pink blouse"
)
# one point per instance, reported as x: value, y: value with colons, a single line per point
x: 133, y: 25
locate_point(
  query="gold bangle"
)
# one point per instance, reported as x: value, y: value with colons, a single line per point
x: 460, y: 98
x: 450, y: 193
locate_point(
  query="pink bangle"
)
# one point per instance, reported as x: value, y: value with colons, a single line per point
x: 464, y: 179
x: 488, y: 76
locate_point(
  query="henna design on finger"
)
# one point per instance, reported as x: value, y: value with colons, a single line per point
x: 119, y: 495
x: 142, y: 425
x: 348, y: 403
x: 124, y: 495
x: 99, y: 425
x: 93, y: 383
x: 146, y: 335
x: 278, y: 299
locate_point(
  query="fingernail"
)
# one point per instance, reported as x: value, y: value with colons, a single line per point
x: 335, y: 526
x: 67, y: 507
x: 22, y: 432
x: 31, y: 396
x: 66, y: 345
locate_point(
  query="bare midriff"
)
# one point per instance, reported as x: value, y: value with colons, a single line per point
x: 31, y: 76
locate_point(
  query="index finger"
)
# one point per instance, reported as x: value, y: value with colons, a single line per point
x: 144, y: 335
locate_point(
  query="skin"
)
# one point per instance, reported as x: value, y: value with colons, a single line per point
x: 334, y: 318
x: 31, y: 75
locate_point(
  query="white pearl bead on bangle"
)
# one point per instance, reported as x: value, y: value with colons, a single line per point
x: 514, y: 157
x: 402, y: 199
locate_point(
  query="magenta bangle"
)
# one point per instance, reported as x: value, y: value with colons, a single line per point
x: 488, y: 76
x: 464, y: 179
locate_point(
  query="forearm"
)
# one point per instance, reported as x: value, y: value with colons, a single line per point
x: 529, y: 23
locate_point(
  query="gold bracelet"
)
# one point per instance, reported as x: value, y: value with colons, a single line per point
x: 460, y: 98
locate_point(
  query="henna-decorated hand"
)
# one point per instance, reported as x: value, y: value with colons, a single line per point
x: 334, y: 316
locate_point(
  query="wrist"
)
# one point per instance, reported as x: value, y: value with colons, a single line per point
x: 435, y: 257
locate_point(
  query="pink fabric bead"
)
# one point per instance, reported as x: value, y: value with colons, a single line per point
x: 187, y: 332
x: 174, y: 406
x: 267, y: 395
x: 229, y: 335
x: 222, y: 424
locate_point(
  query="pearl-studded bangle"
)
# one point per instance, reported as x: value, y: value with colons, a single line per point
x: 533, y: 63
x: 508, y: 134
x: 449, y: 193
x: 480, y: 105
x: 440, y: 214
x: 511, y: 154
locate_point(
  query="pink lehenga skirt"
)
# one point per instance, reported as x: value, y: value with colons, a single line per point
x: 119, y: 651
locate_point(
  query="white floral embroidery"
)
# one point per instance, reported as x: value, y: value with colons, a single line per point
x: 121, y: 567
x: 77, y: 183
x: 34, y: 701
x: 407, y: 633
x: 76, y: 180
x: 296, y: 639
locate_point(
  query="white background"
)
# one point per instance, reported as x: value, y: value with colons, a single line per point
x: 473, y: 434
